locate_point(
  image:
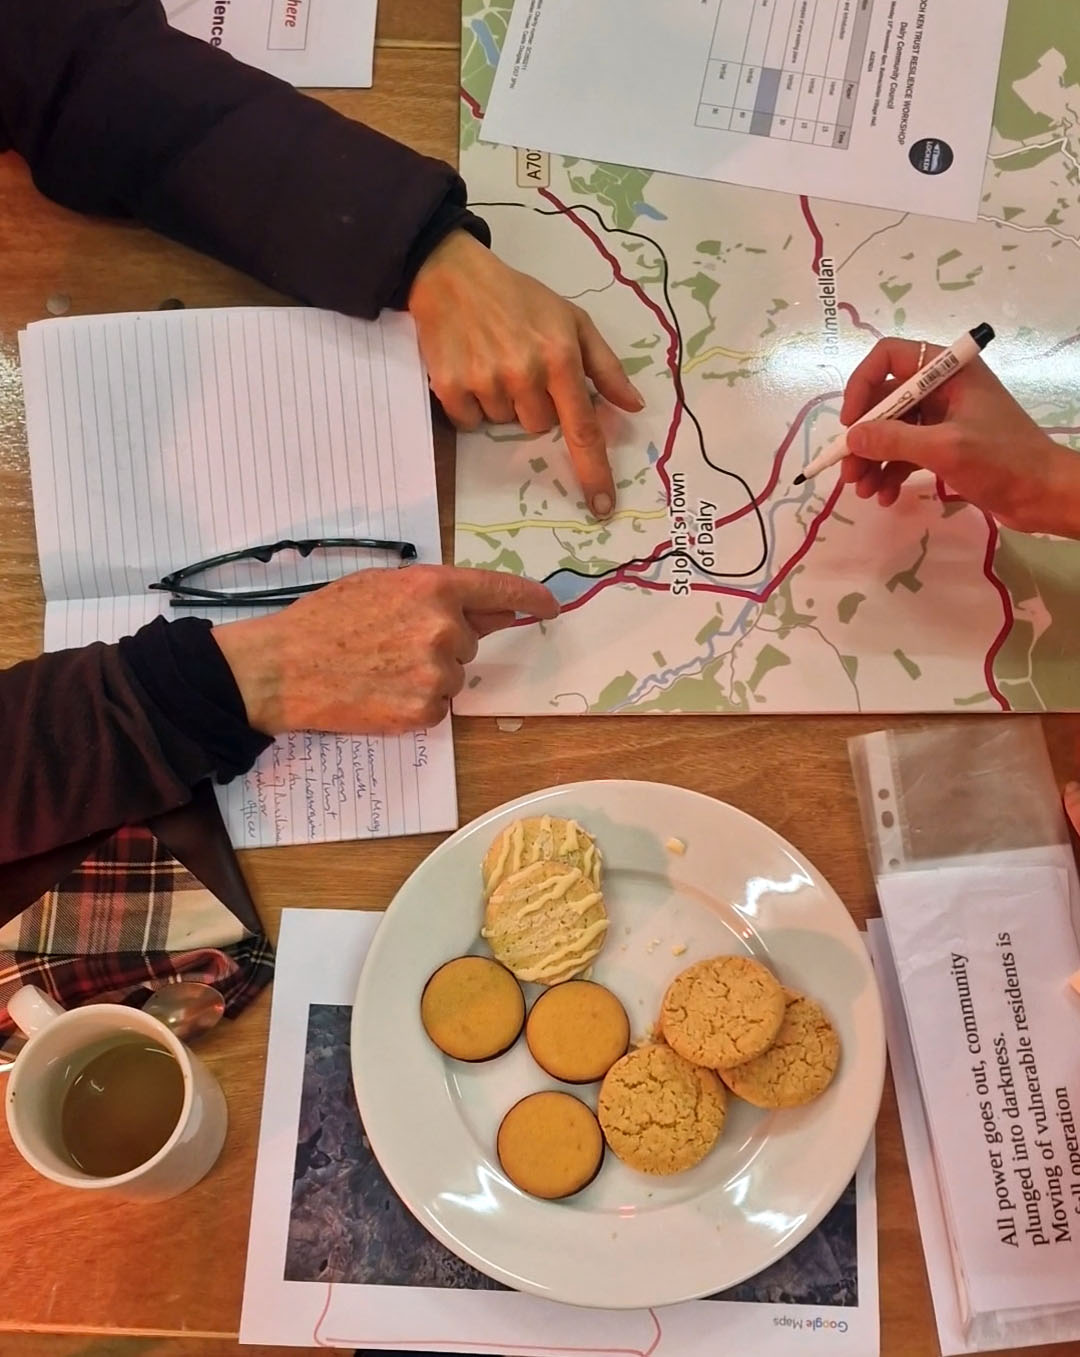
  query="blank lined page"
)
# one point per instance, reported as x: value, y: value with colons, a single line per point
x: 160, y: 439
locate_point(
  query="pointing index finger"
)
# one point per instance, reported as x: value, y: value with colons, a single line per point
x: 584, y: 437
x: 498, y: 591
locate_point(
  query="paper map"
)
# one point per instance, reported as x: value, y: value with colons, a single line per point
x: 739, y: 313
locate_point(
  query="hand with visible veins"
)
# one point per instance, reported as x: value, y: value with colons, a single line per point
x: 971, y: 433
x: 501, y: 346
x: 378, y: 651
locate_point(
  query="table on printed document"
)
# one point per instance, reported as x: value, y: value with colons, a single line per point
x: 83, y: 1269
x: 787, y: 69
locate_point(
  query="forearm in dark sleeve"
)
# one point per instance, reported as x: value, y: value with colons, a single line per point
x: 109, y: 735
x: 118, y: 113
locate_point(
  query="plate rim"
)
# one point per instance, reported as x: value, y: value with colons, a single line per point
x: 580, y: 788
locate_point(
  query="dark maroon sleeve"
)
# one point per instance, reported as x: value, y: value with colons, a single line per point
x: 118, y: 113
x: 109, y: 735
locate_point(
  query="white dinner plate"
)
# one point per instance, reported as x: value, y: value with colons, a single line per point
x: 627, y: 1240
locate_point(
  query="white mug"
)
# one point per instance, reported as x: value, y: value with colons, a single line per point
x: 60, y: 1042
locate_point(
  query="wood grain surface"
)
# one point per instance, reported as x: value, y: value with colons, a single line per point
x: 79, y: 1267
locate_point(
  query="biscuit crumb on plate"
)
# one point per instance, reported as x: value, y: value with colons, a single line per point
x: 678, y: 949
x: 675, y: 846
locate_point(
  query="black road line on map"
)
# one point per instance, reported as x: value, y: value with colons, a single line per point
x: 680, y: 396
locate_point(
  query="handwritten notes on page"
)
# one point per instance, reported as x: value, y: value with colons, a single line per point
x: 160, y: 439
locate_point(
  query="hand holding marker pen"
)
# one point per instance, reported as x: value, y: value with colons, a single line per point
x: 907, y: 395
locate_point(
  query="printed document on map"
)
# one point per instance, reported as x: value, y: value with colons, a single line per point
x: 320, y: 43
x: 885, y: 103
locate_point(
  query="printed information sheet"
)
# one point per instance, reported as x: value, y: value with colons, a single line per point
x: 983, y: 954
x: 886, y: 103
x: 318, y: 43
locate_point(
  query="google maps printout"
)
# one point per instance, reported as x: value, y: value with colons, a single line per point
x: 886, y: 103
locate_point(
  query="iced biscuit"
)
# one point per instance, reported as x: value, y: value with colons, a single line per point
x: 799, y: 1064
x: 541, y: 838
x: 546, y: 923
x: 472, y: 1008
x: 577, y: 1031
x: 721, y: 1012
x: 550, y: 1145
x: 659, y: 1113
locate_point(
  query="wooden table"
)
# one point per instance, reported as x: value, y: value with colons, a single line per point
x: 73, y: 1265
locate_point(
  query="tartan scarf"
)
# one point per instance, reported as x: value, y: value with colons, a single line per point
x: 130, y: 917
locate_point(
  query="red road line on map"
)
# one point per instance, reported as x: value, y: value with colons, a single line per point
x: 947, y: 497
x: 778, y: 460
x: 467, y: 98
x: 857, y: 320
x: 815, y: 231
x: 754, y: 596
x: 647, y: 301
x: 623, y: 575
x: 626, y: 575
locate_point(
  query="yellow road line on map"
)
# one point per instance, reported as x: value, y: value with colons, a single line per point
x: 566, y: 524
x: 721, y: 351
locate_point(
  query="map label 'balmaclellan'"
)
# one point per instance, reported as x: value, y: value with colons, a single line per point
x: 830, y: 338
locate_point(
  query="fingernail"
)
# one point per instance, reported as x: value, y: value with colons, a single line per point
x: 856, y: 438
x: 640, y: 397
x: 602, y: 504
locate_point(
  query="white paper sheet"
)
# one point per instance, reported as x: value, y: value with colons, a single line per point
x: 987, y: 1332
x: 307, y: 42
x: 885, y: 103
x: 294, y: 1231
x: 982, y: 954
x: 157, y: 440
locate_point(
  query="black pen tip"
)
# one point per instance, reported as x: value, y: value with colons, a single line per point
x: 982, y: 334
x: 799, y: 479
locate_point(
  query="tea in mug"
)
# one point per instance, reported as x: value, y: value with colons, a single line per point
x: 122, y: 1107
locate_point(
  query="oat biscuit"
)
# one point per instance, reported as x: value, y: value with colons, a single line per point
x: 540, y: 838
x: 546, y: 923
x: 659, y: 1113
x: 721, y: 1012
x: 577, y: 1031
x: 797, y: 1067
x: 472, y: 1008
x: 550, y: 1145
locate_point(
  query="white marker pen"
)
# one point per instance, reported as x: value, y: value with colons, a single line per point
x: 906, y: 396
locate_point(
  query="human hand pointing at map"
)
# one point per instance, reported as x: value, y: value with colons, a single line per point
x: 972, y: 433
x: 376, y: 651
x: 501, y: 346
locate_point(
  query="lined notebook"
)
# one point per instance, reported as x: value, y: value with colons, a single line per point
x: 160, y: 439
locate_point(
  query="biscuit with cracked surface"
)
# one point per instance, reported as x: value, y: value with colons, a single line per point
x: 797, y: 1067
x: 659, y: 1113
x: 721, y: 1012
